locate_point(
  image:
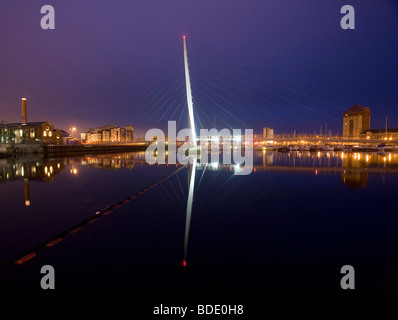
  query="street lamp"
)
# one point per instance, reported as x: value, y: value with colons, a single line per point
x: 72, y: 130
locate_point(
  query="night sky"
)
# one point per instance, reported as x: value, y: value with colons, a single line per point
x: 285, y: 64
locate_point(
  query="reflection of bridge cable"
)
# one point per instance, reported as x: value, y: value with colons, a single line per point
x: 181, y: 199
x: 179, y: 182
x: 201, y: 177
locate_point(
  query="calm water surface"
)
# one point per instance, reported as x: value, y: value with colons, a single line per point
x: 283, y: 231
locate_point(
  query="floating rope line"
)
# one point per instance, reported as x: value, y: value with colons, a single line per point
x: 76, y: 228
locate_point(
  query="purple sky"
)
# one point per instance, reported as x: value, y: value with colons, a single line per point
x: 121, y: 62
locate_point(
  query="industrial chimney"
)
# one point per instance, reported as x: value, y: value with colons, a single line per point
x: 24, y: 112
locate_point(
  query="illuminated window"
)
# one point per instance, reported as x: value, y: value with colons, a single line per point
x: 50, y: 134
x: 57, y: 136
x: 47, y: 128
x: 45, y: 133
x: 32, y: 133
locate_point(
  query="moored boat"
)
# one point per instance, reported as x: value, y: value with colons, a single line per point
x: 365, y: 149
x: 283, y: 149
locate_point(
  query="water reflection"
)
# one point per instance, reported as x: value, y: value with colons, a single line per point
x: 265, y: 204
x: 30, y: 168
x: 45, y: 170
x: 354, y: 179
x: 191, y: 188
x: 353, y: 167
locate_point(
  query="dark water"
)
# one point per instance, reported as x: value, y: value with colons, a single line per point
x: 283, y: 231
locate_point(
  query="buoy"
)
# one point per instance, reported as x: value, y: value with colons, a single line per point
x: 75, y: 230
x: 92, y: 220
x: 26, y: 258
x: 53, y: 242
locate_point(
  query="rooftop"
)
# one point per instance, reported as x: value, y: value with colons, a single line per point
x: 392, y: 130
x: 64, y: 133
x: 355, y: 108
x: 31, y: 124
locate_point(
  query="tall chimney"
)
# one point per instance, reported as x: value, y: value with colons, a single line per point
x: 24, y: 112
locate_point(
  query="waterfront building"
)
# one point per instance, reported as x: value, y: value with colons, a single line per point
x: 381, y: 134
x: 110, y: 134
x: 29, y: 132
x: 355, y: 121
x: 268, y: 133
x: 43, y: 131
x: 7, y: 132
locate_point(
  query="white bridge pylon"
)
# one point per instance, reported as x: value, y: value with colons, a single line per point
x: 189, y: 95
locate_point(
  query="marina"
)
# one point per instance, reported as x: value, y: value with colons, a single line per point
x: 198, y: 158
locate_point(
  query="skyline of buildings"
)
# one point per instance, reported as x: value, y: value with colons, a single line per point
x: 356, y: 125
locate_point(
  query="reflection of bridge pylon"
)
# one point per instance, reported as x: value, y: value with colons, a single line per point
x: 189, y: 207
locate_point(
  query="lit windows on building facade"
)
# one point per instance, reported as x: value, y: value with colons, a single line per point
x: 109, y: 134
x: 355, y: 121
